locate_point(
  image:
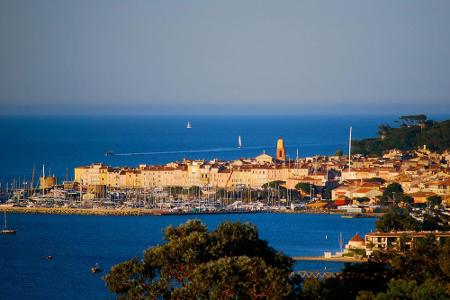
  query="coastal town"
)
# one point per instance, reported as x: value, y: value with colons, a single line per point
x: 353, y: 184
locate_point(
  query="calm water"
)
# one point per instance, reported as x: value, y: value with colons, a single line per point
x: 65, y: 142
x: 77, y: 242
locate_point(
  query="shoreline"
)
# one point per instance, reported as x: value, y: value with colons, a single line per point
x: 156, y: 212
x: 330, y: 259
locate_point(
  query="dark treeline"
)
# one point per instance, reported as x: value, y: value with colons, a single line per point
x: 422, y: 272
x: 232, y: 262
x: 413, y: 131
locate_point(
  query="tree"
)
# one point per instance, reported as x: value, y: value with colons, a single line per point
x: 196, y: 263
x: 305, y: 187
x: 339, y: 152
x: 414, y: 132
x: 434, y: 201
x: 383, y: 131
x: 421, y: 272
x: 393, y: 192
x: 362, y: 199
x: 239, y: 277
x: 274, y: 184
x: 396, y: 219
x: 406, y: 199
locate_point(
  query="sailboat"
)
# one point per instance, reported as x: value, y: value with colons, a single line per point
x: 5, y: 229
x: 239, y: 142
x: 188, y: 126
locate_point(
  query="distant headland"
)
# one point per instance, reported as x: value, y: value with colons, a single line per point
x: 414, y: 131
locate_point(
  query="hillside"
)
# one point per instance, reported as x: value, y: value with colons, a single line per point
x: 412, y: 132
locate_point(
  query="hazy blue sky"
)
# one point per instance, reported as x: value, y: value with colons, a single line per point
x: 224, y: 57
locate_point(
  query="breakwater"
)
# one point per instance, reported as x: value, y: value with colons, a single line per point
x: 113, y: 212
x: 159, y: 212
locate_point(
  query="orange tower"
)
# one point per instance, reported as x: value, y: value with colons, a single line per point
x: 281, y: 154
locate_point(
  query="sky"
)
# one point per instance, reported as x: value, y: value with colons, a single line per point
x: 224, y: 57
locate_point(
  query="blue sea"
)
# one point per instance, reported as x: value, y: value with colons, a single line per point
x: 61, y: 143
x: 77, y: 242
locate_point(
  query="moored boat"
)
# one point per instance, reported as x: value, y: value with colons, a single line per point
x: 5, y: 229
x: 96, y: 268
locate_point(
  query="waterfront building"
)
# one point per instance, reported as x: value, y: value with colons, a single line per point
x: 356, y: 242
x: 357, y: 189
x: 422, y: 175
x: 399, y: 240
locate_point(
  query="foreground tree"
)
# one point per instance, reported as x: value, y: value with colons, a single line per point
x: 231, y: 262
x: 421, y: 272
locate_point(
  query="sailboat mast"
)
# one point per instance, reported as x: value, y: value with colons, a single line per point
x: 341, y: 241
x: 43, y: 179
x: 350, y: 149
x: 32, y: 181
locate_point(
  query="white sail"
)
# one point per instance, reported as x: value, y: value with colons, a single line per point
x: 189, y: 126
x: 239, y: 142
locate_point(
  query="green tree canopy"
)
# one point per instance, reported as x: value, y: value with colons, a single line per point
x: 406, y: 199
x: 419, y: 273
x: 434, y: 201
x: 231, y: 262
x: 393, y: 192
x: 415, y: 132
x: 274, y: 184
x: 305, y: 187
x: 396, y: 219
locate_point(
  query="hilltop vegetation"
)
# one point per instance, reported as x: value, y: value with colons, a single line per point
x: 413, y: 131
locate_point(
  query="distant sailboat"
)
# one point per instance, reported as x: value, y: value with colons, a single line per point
x: 5, y: 229
x: 189, y: 126
x: 239, y: 142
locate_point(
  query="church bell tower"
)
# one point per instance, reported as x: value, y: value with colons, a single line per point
x: 281, y: 154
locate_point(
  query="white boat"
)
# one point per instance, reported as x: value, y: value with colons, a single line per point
x: 96, y: 268
x: 5, y: 229
x: 239, y: 142
x: 189, y: 126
